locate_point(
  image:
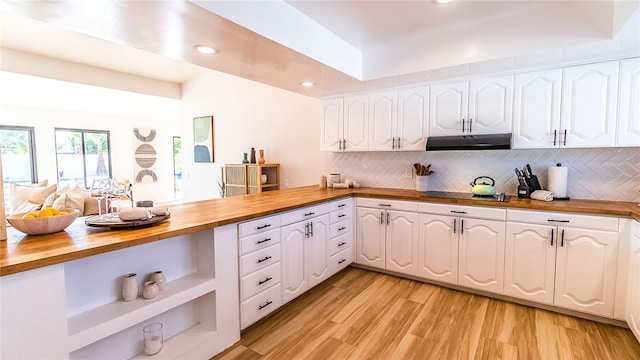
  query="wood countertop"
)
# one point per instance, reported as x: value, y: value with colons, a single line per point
x: 21, y: 252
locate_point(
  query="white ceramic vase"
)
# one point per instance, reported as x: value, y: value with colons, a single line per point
x: 150, y: 290
x: 129, y: 287
x: 160, y: 279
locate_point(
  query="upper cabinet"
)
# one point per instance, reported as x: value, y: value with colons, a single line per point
x: 398, y: 119
x: 629, y: 112
x: 480, y: 106
x: 536, y: 109
x: 589, y: 104
x: 344, y: 124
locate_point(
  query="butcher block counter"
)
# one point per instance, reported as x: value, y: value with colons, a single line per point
x: 21, y: 252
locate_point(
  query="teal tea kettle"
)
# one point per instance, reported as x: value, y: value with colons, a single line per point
x: 483, y: 188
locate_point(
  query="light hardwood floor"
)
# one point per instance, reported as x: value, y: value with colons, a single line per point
x: 359, y: 314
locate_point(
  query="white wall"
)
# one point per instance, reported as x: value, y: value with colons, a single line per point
x: 249, y: 114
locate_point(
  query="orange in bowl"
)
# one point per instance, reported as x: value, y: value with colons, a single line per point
x: 43, y: 225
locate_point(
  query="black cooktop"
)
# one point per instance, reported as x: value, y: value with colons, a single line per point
x: 466, y: 196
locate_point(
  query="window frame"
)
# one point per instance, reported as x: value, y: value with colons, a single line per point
x: 32, y: 147
x: 84, y: 159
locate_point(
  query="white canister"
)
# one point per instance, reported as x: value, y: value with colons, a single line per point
x: 333, y: 178
x: 129, y: 287
x: 421, y: 183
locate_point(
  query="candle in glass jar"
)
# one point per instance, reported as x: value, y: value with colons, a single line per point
x: 153, y: 345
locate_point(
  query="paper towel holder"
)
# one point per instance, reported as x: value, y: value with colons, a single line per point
x: 561, y: 198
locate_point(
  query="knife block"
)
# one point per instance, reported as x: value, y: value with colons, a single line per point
x: 524, y: 191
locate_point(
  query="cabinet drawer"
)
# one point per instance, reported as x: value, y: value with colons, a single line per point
x: 339, y: 243
x: 258, y: 225
x: 304, y: 213
x: 340, y: 204
x: 341, y: 214
x: 340, y: 228
x: 259, y: 241
x: 259, y: 259
x: 261, y: 305
x: 477, y: 212
x: 260, y: 280
x: 340, y: 260
x: 564, y: 219
x: 388, y: 204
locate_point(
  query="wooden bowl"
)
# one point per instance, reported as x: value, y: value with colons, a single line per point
x: 46, y: 225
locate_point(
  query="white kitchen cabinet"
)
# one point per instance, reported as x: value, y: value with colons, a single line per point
x: 589, y: 104
x: 398, y: 119
x: 438, y: 248
x: 582, y: 249
x: 480, y: 236
x: 633, y: 312
x: 536, y: 109
x: 340, y: 235
x: 304, y: 250
x: 629, y: 110
x: 387, y: 235
x: 344, y: 124
x: 479, y: 106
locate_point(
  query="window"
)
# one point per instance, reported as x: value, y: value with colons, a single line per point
x: 177, y: 168
x: 82, y: 156
x: 18, y: 157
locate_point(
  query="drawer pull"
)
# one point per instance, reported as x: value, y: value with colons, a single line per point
x: 264, y: 281
x: 342, y: 215
x: 309, y: 214
x: 264, y: 241
x: 263, y: 227
x: 342, y: 205
x: 341, y: 261
x: 385, y: 205
x: 342, y: 228
x: 458, y: 212
x: 265, y: 305
x: 558, y: 221
x: 264, y: 259
x: 342, y: 244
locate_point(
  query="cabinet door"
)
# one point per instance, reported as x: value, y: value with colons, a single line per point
x: 490, y: 105
x: 629, y: 112
x: 633, y: 316
x: 370, y: 232
x: 294, y: 272
x: 438, y: 248
x: 331, y: 124
x: 413, y: 113
x: 481, y: 257
x: 585, y: 270
x: 449, y: 105
x: 589, y: 103
x: 356, y: 120
x: 382, y: 115
x: 318, y: 254
x: 401, y: 242
x: 530, y: 262
x: 536, y: 109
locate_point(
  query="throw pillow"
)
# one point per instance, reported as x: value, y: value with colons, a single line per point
x: 68, y: 197
x: 26, y: 207
x: 34, y: 193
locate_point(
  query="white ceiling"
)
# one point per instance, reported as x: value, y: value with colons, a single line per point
x: 340, y: 45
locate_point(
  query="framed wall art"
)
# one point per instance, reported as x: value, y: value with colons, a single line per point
x: 203, y: 147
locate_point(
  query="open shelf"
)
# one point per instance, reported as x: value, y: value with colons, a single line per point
x: 174, y: 348
x: 103, y: 321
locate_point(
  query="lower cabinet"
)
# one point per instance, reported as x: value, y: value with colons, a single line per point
x: 633, y: 313
x: 387, y: 238
x: 438, y: 248
x: 571, y: 264
x: 481, y: 254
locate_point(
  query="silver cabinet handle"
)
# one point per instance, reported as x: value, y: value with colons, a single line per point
x: 562, y: 239
x: 555, y: 134
x: 458, y: 212
x: 565, y: 137
x: 393, y: 143
x: 265, y: 305
x: 398, y: 143
x: 551, y: 237
x: 455, y: 222
x: 311, y: 229
x: 470, y: 121
x: 462, y: 226
x: 387, y: 218
x: 381, y: 217
x: 263, y: 241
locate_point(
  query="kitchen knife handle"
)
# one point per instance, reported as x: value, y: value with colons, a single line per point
x: 555, y: 134
x: 454, y: 225
x: 562, y: 239
x: 462, y: 125
x: 551, y: 237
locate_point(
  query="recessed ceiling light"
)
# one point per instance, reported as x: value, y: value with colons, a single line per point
x: 438, y: 2
x: 307, y: 83
x: 204, y: 49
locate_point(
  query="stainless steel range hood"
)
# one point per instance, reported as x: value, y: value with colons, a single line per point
x: 469, y: 142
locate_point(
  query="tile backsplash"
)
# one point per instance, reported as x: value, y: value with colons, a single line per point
x: 594, y: 174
